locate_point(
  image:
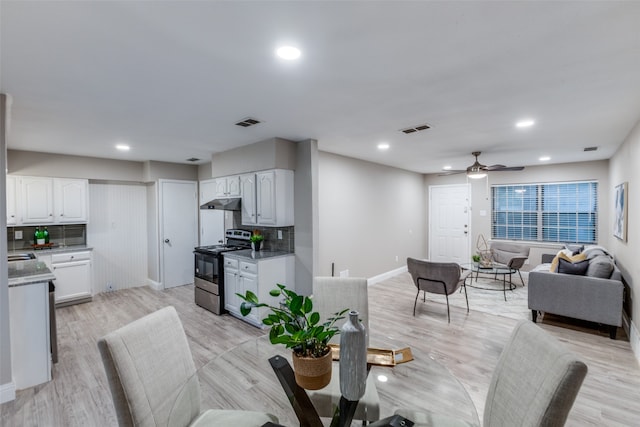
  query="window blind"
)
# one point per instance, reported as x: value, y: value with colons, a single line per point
x: 549, y: 212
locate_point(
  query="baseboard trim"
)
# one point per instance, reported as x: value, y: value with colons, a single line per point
x: 387, y: 275
x: 7, y: 392
x: 156, y: 286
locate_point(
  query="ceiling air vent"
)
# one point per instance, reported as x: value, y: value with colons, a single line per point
x: 415, y: 129
x: 192, y: 159
x: 590, y: 148
x: 245, y: 123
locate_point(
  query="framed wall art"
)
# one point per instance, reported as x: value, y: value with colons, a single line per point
x: 620, y: 217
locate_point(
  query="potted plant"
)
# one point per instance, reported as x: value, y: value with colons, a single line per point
x: 295, y: 325
x: 256, y: 240
x: 475, y: 258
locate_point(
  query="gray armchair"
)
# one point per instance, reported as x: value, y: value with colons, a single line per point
x: 442, y: 278
x: 534, y: 384
x: 510, y: 254
x: 153, y: 379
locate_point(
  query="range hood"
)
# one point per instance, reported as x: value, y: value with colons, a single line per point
x: 232, y: 204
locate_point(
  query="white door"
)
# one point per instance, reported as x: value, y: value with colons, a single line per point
x: 449, y: 223
x: 178, y: 208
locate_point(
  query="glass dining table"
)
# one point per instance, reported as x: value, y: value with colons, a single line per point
x: 243, y: 378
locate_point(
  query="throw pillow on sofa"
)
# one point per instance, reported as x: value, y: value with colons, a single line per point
x: 567, y: 256
x: 600, y: 266
x: 576, y: 268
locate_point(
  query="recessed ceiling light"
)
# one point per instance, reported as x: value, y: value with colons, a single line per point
x: 525, y: 123
x: 123, y: 147
x: 446, y: 168
x: 544, y: 158
x: 288, y: 52
x: 383, y: 146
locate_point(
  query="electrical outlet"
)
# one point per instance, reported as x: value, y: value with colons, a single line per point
x: 18, y: 234
x: 344, y: 273
x: 279, y: 234
x: 396, y: 258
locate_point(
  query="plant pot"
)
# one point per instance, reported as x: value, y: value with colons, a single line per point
x: 256, y: 245
x: 312, y: 373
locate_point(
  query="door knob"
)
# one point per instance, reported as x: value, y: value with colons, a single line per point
x: 166, y: 240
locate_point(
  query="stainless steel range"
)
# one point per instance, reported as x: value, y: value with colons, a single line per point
x: 208, y: 270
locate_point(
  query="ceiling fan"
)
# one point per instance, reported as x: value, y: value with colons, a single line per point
x: 478, y: 170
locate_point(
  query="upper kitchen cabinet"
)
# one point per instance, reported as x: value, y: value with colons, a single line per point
x: 12, y: 212
x: 248, y: 192
x: 43, y: 200
x: 36, y: 200
x: 70, y: 200
x: 228, y: 186
x: 272, y: 198
x: 207, y: 191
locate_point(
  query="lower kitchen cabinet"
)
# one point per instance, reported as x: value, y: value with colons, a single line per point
x: 243, y: 274
x: 73, y: 276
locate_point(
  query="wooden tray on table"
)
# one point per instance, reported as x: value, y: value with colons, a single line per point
x: 379, y: 356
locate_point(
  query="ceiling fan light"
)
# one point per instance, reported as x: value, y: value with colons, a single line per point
x: 476, y: 174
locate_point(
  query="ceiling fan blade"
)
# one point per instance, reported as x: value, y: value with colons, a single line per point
x: 505, y: 169
x: 452, y: 172
x: 494, y: 167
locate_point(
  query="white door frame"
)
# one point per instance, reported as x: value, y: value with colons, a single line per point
x: 469, y: 219
x: 161, y: 182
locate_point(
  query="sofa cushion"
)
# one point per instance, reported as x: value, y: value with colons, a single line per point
x: 567, y: 256
x: 578, y: 268
x: 600, y: 266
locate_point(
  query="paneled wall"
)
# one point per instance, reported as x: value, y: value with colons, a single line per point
x: 118, y: 234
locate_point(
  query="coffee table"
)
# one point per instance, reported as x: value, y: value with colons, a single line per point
x: 243, y: 378
x: 493, y: 269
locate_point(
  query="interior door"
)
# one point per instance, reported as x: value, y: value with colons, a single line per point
x: 178, y: 207
x: 450, y: 223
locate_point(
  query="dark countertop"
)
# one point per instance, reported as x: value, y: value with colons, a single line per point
x: 28, y: 272
x: 260, y: 255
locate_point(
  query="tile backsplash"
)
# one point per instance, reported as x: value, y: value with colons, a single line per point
x: 271, y: 241
x: 60, y: 235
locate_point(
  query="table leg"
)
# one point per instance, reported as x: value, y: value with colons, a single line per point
x: 304, y: 409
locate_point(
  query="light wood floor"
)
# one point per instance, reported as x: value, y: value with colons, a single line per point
x: 469, y: 347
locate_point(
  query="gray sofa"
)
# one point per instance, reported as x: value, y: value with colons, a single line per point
x: 595, y: 296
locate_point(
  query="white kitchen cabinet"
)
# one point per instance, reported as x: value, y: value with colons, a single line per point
x: 258, y: 276
x: 44, y: 200
x: 248, y: 194
x: 70, y: 200
x: 207, y: 191
x: 270, y: 201
x: 73, y: 277
x: 36, y: 200
x: 12, y: 204
x: 228, y: 186
x: 29, y: 334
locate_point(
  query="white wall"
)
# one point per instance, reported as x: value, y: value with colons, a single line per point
x: 624, y: 168
x: 369, y: 214
x: 153, y: 258
x: 118, y: 234
x: 273, y: 153
x: 481, y: 196
x: 306, y: 215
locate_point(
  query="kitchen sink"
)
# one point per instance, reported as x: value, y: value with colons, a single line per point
x: 21, y: 257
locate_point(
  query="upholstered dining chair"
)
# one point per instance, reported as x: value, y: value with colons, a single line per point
x: 153, y: 379
x: 534, y: 384
x: 438, y: 278
x: 510, y: 254
x: 331, y: 295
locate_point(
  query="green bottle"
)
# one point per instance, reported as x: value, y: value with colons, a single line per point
x: 36, y: 234
x: 40, y: 235
x: 45, y: 234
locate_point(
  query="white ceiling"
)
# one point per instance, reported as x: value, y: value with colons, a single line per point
x: 171, y: 78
